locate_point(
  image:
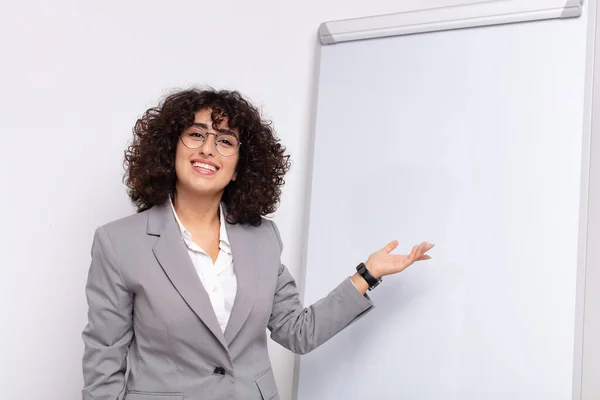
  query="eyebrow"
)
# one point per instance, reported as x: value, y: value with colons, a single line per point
x: 221, y: 130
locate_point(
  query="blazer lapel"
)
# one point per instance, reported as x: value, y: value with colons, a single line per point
x: 246, y: 260
x: 172, y: 254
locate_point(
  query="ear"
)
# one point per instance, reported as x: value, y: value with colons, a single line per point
x: 234, y: 177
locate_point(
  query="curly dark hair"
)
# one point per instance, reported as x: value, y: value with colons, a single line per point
x: 150, y: 159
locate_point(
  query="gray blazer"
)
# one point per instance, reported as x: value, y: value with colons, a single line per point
x: 149, y: 311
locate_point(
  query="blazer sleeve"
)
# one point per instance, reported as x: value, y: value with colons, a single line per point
x: 108, y: 333
x: 302, y: 329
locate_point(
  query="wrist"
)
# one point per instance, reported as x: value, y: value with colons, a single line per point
x: 372, y: 270
x: 359, y: 283
x: 364, y: 272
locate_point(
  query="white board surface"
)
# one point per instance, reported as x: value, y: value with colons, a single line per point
x: 470, y: 139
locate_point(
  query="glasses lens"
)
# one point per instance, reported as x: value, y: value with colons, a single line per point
x: 193, y: 140
x: 227, y: 145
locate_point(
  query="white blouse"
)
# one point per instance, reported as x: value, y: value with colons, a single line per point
x: 219, y: 278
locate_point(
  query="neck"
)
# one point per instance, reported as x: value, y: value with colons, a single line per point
x: 197, y: 212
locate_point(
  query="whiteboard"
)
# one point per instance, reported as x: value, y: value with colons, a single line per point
x: 451, y: 16
x: 470, y: 139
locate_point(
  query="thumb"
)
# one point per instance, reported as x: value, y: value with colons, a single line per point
x: 391, y: 246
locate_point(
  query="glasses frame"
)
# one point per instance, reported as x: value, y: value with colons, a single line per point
x: 216, y: 135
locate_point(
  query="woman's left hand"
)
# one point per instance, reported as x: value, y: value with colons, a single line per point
x: 383, y: 263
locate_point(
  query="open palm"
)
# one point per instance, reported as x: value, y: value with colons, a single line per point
x: 382, y: 262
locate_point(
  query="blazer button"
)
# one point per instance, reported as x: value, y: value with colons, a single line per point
x: 219, y: 370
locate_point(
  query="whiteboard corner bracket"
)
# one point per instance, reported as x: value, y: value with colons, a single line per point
x: 573, y: 8
x: 325, y: 36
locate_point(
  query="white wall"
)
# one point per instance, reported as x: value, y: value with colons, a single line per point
x: 74, y: 77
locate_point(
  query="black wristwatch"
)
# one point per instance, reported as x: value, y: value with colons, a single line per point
x: 371, y: 280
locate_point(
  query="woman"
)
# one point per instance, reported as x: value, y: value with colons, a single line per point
x: 182, y: 291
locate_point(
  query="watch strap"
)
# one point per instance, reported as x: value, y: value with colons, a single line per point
x: 370, y: 279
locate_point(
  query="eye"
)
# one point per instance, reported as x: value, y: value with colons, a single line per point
x: 226, y: 141
x: 196, y: 135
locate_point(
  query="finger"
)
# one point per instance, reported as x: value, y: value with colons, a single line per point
x: 419, y: 251
x: 390, y: 246
x: 413, y: 254
x: 425, y: 257
x: 404, y: 261
x: 425, y: 247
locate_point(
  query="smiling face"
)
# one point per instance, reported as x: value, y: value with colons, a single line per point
x: 203, y: 171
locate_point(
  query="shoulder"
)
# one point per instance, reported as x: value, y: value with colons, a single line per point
x: 264, y: 235
x: 123, y: 231
x: 274, y: 230
x: 126, y: 224
x: 274, y: 235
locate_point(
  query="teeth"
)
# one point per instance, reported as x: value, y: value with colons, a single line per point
x: 205, y: 166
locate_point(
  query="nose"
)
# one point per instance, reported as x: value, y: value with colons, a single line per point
x: 208, y: 147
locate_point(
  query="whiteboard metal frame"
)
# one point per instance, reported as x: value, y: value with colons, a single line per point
x: 586, y: 385
x: 447, y: 18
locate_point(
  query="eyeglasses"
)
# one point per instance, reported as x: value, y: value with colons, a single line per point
x: 227, y: 144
